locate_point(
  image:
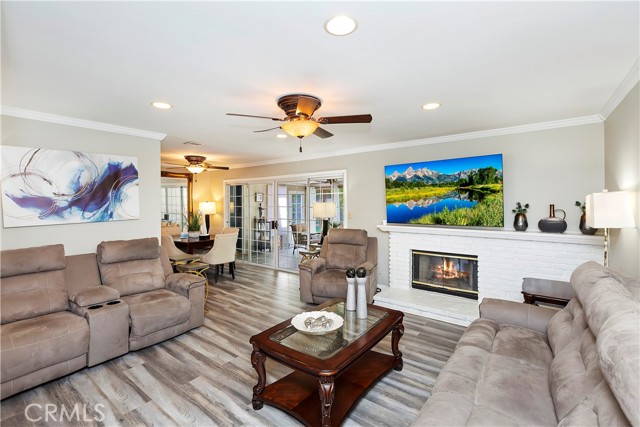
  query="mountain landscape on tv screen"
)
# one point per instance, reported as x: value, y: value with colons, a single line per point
x: 457, y: 192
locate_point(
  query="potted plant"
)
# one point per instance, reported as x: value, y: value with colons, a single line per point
x: 193, y: 224
x: 520, y: 221
x: 584, y: 228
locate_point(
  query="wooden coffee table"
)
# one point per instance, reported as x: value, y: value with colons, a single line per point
x: 332, y: 371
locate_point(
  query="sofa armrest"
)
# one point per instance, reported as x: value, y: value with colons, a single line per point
x: 313, y: 265
x: 516, y: 313
x: 182, y: 283
x: 92, y: 296
x: 368, y: 265
x: 556, y: 289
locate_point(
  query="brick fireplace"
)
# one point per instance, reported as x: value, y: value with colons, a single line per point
x: 504, y: 258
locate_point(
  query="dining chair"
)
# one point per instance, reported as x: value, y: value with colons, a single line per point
x: 223, y: 251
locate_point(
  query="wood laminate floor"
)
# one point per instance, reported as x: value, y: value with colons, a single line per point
x: 205, y: 377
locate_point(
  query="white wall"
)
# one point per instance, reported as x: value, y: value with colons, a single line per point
x: 556, y: 166
x: 622, y: 172
x: 83, y: 238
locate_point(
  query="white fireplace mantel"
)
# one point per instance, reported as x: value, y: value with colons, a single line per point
x: 499, y: 233
x: 505, y: 257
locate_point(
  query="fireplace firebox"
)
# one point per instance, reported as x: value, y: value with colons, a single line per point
x: 453, y: 274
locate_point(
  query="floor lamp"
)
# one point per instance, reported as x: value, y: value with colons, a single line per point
x: 609, y: 210
x: 206, y: 208
x: 324, y: 211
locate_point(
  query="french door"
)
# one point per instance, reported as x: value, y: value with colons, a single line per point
x: 277, y: 215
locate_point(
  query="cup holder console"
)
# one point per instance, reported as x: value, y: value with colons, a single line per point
x: 93, y: 307
x: 114, y: 302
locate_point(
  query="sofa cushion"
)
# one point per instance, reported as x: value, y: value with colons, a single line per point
x: 498, y: 375
x: 619, y: 355
x: 36, y: 343
x: 566, y: 325
x: 32, y: 282
x: 128, y: 250
x: 16, y: 262
x: 153, y: 311
x: 329, y: 283
x: 82, y: 272
x: 348, y: 248
x: 575, y: 372
x: 599, y: 408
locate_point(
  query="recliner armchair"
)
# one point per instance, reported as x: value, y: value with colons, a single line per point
x: 324, y: 277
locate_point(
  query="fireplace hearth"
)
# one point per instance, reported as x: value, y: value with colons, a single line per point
x: 449, y: 273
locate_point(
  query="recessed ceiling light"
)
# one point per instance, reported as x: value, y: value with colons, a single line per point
x: 162, y: 105
x: 281, y: 136
x: 340, y: 25
x: 431, y: 106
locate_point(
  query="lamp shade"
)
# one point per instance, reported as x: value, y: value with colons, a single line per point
x: 300, y: 128
x: 610, y: 210
x: 324, y: 210
x: 207, y: 207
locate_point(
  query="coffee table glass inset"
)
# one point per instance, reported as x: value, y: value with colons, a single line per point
x: 324, y: 346
x: 332, y: 371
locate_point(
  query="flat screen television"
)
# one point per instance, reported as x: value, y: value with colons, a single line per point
x: 455, y: 192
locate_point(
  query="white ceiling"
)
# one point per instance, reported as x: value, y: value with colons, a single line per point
x: 490, y: 64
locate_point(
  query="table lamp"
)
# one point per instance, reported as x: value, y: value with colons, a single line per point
x: 206, y: 208
x: 324, y: 211
x: 609, y: 210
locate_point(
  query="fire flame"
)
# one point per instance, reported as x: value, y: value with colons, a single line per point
x: 448, y: 270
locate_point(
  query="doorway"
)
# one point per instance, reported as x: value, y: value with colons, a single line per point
x: 277, y: 215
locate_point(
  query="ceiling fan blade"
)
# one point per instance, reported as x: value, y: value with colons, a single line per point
x: 307, y: 106
x: 257, y: 117
x: 222, y: 168
x: 322, y: 133
x: 266, y: 130
x: 175, y: 165
x: 357, y: 118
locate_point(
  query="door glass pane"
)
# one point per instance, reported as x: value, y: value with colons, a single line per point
x: 292, y: 222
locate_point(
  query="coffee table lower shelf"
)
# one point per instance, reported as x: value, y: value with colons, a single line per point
x: 299, y: 393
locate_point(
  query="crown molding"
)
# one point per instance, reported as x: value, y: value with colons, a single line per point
x: 629, y: 81
x: 577, y: 121
x: 70, y: 121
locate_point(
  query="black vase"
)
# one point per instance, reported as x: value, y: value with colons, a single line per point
x: 520, y: 222
x: 553, y: 224
x: 584, y: 228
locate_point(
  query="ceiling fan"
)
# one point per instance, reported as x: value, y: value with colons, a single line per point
x: 197, y: 164
x: 299, y: 121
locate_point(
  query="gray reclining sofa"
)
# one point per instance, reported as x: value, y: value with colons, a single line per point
x: 60, y: 314
x: 524, y: 365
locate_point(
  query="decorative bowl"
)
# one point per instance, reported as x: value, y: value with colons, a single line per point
x: 299, y: 320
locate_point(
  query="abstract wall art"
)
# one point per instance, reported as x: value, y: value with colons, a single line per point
x: 47, y: 187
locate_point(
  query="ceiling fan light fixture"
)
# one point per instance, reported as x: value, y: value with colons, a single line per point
x: 431, y: 106
x: 340, y: 25
x: 195, y: 169
x: 300, y: 128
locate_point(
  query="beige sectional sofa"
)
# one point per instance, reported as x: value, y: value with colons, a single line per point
x: 60, y: 314
x: 521, y: 364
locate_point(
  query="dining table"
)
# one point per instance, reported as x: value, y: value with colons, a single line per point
x: 191, y: 243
